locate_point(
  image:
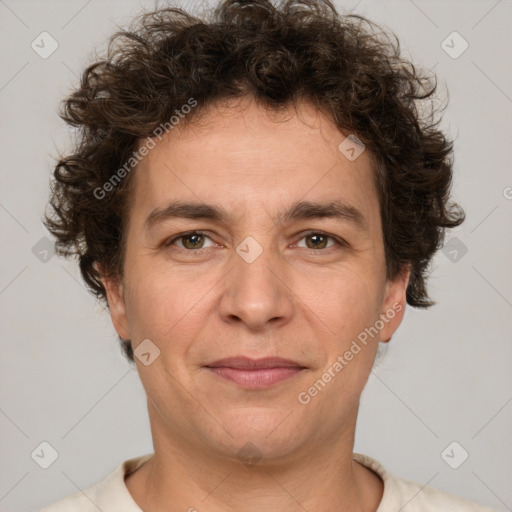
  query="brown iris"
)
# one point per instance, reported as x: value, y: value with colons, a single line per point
x: 321, y: 240
x: 197, y: 240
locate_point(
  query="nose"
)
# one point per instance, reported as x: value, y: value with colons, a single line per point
x: 256, y: 293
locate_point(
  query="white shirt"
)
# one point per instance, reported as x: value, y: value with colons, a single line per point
x: 112, y: 495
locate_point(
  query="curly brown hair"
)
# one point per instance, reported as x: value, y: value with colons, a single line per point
x: 344, y: 65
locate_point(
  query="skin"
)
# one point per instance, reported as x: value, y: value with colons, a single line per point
x: 296, y: 302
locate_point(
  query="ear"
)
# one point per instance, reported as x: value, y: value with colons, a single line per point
x: 116, y: 305
x: 393, y: 307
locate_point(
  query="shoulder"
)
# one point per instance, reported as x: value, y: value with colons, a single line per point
x: 109, y: 495
x: 429, y: 499
x: 79, y: 502
x: 399, y: 492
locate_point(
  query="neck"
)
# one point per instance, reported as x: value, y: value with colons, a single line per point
x: 184, y: 477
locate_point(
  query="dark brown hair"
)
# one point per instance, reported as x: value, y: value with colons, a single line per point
x: 344, y: 65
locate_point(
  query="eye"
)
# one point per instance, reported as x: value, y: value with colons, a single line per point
x: 190, y: 241
x: 194, y: 241
x: 317, y: 240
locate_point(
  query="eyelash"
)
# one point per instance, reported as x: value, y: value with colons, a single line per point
x: 198, y: 252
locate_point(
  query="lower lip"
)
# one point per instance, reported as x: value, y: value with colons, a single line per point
x: 256, y: 379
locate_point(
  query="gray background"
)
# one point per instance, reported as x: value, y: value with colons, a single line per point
x: 446, y: 376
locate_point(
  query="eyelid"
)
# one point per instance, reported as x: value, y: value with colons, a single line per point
x: 340, y: 242
x: 171, y: 240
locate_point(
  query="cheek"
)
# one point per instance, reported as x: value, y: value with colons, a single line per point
x: 347, y: 304
x: 162, y: 302
x: 346, y: 300
x: 349, y: 309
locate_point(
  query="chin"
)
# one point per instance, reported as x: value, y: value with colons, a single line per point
x: 260, y: 438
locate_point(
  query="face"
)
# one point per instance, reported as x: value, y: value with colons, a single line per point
x: 266, y: 270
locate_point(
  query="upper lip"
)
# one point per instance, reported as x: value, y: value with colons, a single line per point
x: 246, y: 363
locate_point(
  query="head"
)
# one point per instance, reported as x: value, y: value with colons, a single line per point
x: 240, y: 129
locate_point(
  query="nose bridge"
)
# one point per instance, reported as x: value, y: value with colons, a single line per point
x: 255, y: 292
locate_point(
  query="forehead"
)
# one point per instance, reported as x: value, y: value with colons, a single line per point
x: 247, y: 159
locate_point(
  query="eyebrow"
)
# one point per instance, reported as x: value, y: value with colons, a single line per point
x: 300, y: 210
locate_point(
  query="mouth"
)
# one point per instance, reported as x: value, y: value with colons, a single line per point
x: 255, y: 373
